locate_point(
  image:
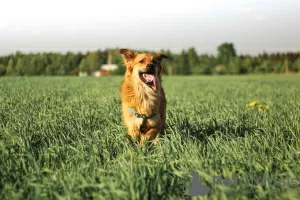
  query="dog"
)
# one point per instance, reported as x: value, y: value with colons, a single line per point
x: 142, y: 95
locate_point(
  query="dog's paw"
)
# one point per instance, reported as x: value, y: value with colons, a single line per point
x: 156, y: 141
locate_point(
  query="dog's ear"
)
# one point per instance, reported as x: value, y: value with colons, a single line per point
x: 159, y: 57
x: 127, y: 55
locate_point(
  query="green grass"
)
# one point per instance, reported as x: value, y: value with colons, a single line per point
x: 62, y: 138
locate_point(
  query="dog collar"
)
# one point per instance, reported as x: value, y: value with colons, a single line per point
x: 143, y: 116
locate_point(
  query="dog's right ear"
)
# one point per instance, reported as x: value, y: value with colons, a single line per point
x: 127, y: 55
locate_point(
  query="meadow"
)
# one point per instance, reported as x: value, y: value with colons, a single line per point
x: 62, y: 138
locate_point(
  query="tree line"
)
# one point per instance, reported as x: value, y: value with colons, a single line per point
x: 187, y: 62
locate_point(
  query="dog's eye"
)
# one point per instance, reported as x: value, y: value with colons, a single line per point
x: 141, y: 61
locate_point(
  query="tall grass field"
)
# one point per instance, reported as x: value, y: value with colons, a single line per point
x: 63, y: 138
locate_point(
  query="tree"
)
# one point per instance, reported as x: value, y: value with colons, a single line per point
x: 184, y: 64
x: 247, y: 63
x: 192, y: 58
x: 31, y: 66
x: 234, y: 65
x: 220, y: 69
x: 40, y: 64
x: 2, y: 70
x: 50, y: 70
x: 115, y: 57
x: 299, y: 64
x: 83, y: 66
x: 20, y: 66
x: 167, y: 63
x: 206, y: 64
x: 267, y: 66
x: 54, y: 63
x: 10, y: 67
x: 61, y: 70
x: 175, y: 69
x: 296, y: 65
x: 286, y: 64
x: 225, y: 52
x: 70, y: 63
x: 93, y: 61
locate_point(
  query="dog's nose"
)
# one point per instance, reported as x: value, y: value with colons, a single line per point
x: 150, y: 67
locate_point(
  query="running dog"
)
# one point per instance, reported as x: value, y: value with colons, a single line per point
x: 143, y: 98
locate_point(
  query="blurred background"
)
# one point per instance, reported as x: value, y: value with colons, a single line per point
x: 200, y: 37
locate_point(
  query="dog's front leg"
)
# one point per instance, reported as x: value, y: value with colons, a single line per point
x: 151, y: 135
x: 134, y: 125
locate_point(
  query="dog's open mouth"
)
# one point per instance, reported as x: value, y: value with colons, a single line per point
x: 149, y: 79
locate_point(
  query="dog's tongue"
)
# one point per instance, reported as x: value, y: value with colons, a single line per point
x: 151, y: 78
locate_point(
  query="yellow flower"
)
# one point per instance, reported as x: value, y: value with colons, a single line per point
x: 253, y: 103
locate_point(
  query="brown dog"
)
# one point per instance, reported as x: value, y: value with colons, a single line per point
x: 143, y: 98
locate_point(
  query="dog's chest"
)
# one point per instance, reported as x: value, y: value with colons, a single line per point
x: 150, y: 123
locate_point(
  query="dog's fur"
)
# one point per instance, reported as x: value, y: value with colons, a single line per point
x: 136, y: 94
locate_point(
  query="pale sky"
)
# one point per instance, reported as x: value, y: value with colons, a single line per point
x: 253, y: 26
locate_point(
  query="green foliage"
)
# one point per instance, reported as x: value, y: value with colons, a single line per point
x: 116, y: 59
x: 220, y: 69
x: 93, y: 61
x: 83, y: 66
x: 184, y: 63
x: 10, y: 68
x: 120, y: 70
x: 206, y: 64
x: 20, y: 66
x: 2, y: 70
x: 61, y: 70
x: 31, y: 66
x: 167, y: 63
x: 233, y: 67
x: 192, y: 58
x: 62, y: 138
x: 181, y: 64
x: 50, y: 70
x: 248, y: 64
x: 226, y: 51
x: 296, y: 65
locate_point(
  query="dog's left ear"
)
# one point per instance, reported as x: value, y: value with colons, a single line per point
x: 127, y: 55
x: 160, y: 57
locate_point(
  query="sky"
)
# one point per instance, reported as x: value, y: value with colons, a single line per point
x: 253, y: 26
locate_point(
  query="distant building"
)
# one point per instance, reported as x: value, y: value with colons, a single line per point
x: 96, y: 73
x: 105, y: 69
x: 83, y: 74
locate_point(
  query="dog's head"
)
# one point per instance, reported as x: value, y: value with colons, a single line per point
x: 144, y: 67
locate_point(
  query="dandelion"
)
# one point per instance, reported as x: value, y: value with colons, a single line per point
x: 252, y: 104
x: 255, y: 104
